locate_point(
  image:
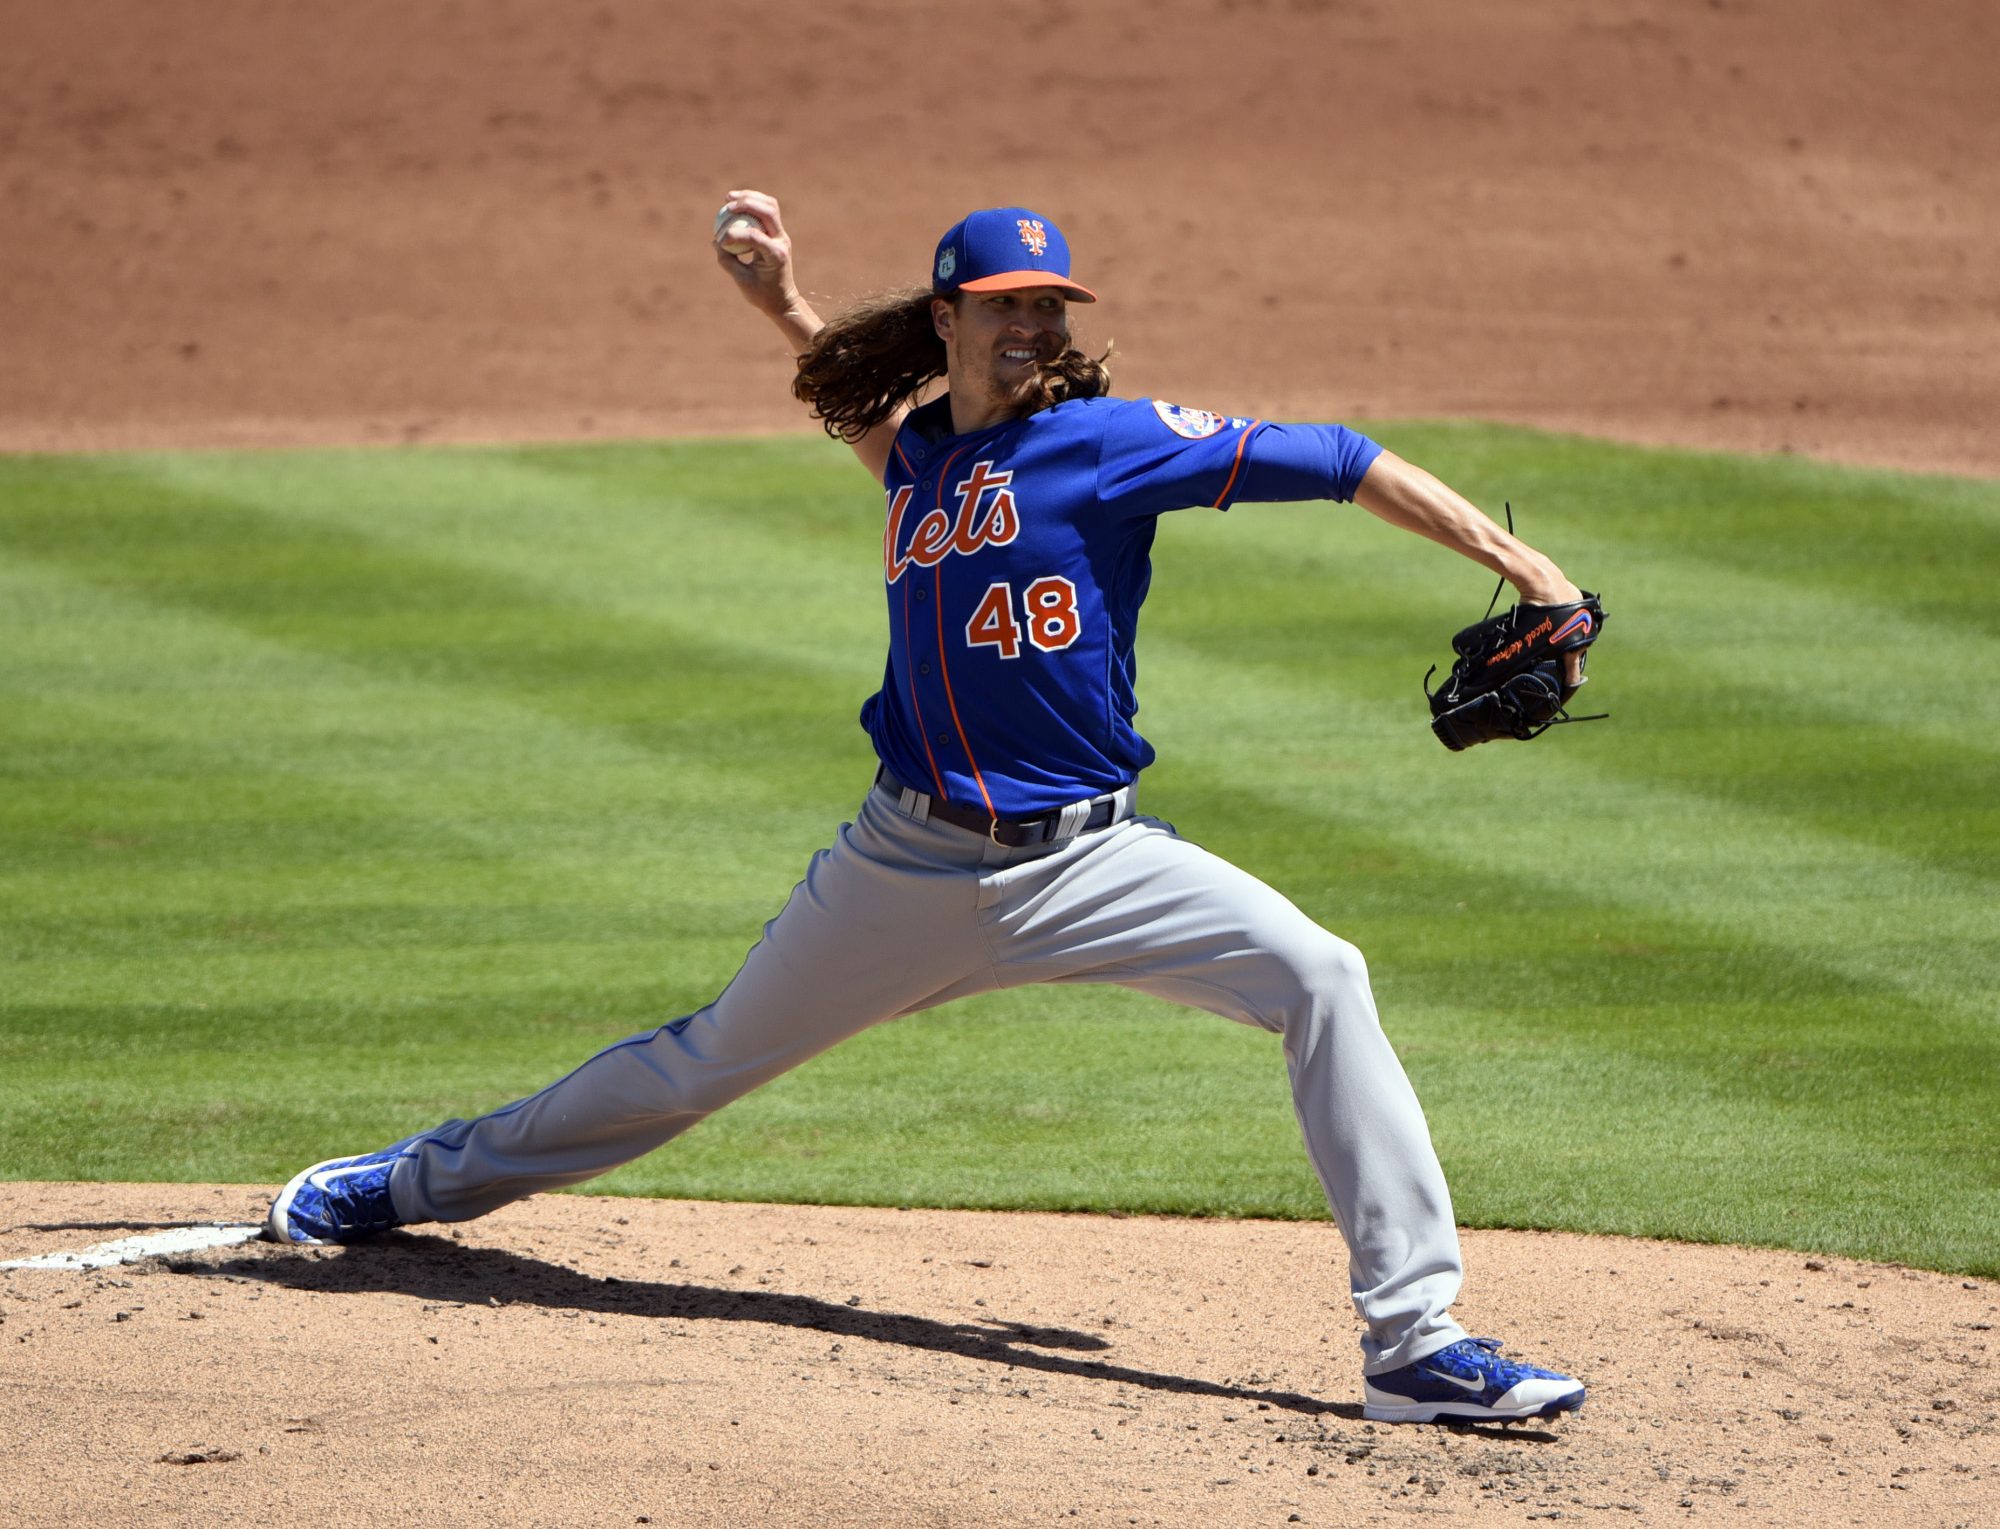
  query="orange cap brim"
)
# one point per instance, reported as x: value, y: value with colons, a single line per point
x: 1012, y: 281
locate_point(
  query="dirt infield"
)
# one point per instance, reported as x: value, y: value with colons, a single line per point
x: 577, y: 1360
x: 1753, y: 224
x: 1761, y: 224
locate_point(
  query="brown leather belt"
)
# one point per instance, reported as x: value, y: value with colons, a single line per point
x: 1014, y: 833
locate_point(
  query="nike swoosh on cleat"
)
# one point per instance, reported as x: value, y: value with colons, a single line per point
x: 1463, y: 1385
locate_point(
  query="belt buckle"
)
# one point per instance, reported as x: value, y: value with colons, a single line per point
x: 1033, y: 830
x: 1045, y: 826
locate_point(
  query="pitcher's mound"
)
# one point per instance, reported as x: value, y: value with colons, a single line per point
x: 578, y: 1360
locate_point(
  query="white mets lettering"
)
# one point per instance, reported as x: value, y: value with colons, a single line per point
x: 937, y: 535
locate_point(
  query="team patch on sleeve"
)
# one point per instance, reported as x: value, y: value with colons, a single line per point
x: 1195, y: 424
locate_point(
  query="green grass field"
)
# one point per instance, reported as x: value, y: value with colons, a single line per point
x: 343, y: 792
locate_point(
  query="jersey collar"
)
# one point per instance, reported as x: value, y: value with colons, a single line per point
x: 931, y: 422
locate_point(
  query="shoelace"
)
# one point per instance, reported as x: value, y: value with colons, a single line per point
x: 1506, y: 1371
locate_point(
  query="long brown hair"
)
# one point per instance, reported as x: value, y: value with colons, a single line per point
x: 884, y: 351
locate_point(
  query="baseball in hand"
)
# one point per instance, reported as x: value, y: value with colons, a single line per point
x: 732, y: 226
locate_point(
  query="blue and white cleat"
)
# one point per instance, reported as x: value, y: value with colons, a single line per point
x: 339, y: 1200
x: 1468, y: 1380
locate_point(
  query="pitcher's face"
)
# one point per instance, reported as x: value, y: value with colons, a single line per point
x: 992, y: 339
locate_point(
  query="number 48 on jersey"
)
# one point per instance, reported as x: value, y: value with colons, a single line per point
x: 1048, y: 617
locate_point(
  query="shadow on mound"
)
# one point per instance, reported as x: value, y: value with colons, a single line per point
x: 438, y: 1269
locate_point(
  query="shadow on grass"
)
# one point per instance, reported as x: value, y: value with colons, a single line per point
x: 437, y: 1269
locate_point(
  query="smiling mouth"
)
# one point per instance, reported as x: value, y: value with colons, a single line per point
x: 1045, y: 348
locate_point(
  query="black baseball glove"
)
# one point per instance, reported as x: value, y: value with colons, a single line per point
x: 1509, y: 679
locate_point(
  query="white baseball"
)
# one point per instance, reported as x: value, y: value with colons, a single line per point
x: 732, y: 226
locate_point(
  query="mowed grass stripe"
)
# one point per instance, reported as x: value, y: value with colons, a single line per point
x: 677, y: 688
x: 688, y: 538
x: 1280, y: 685
x: 1927, y: 545
x: 303, y: 794
x: 672, y: 685
x: 459, y: 765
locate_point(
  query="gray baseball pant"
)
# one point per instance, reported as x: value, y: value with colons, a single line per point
x: 903, y: 914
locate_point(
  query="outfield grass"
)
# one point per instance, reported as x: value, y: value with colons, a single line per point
x: 341, y: 792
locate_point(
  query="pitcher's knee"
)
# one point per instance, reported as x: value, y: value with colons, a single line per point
x: 1331, y: 968
x: 1315, y: 980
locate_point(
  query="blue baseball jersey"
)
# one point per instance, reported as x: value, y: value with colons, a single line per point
x: 1016, y: 559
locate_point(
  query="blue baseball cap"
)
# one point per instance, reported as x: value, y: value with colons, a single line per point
x: 999, y: 249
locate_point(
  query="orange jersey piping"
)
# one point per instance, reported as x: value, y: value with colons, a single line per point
x: 1236, y: 466
x: 944, y: 669
x: 944, y: 665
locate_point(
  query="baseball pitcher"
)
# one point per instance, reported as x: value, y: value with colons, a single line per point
x: 1000, y: 843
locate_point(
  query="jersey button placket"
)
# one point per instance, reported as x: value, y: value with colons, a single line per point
x: 923, y: 595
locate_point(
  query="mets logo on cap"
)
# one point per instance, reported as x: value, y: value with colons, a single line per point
x: 1002, y: 249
